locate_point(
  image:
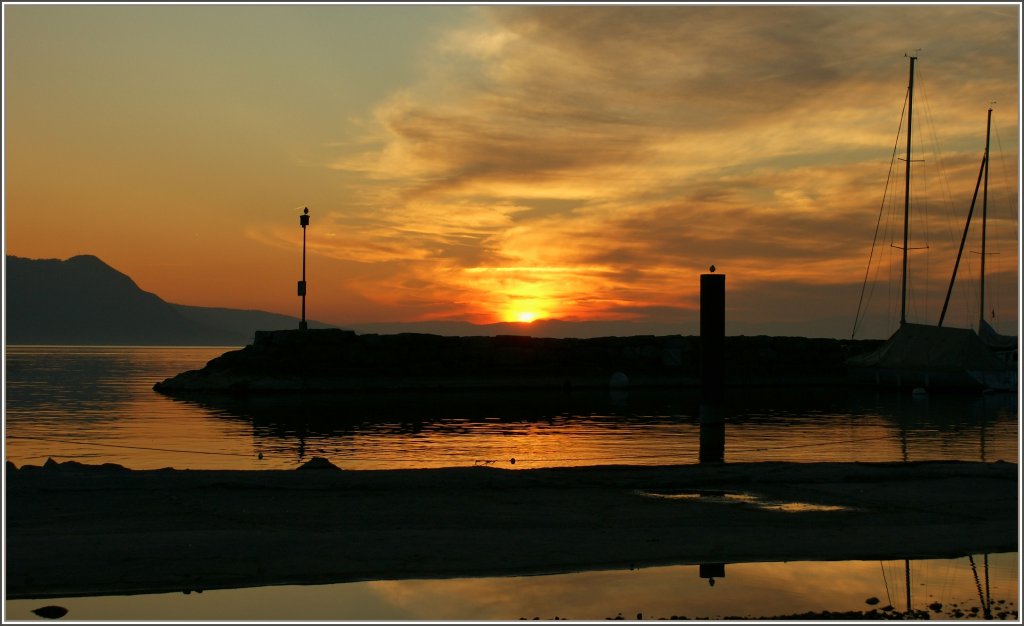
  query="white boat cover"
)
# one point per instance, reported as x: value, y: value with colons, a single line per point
x: 994, y: 340
x: 920, y: 348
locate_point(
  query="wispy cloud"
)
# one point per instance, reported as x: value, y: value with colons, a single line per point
x: 588, y: 161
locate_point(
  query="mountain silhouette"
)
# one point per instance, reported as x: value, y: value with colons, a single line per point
x: 84, y: 301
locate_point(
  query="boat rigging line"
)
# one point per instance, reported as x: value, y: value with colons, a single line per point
x: 857, y: 320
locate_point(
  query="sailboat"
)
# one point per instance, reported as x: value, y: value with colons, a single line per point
x: 938, y: 357
x: 1003, y: 347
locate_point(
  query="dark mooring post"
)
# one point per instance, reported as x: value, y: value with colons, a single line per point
x: 303, y: 222
x: 712, y: 367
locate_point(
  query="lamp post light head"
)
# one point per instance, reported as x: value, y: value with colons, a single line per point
x: 304, y: 218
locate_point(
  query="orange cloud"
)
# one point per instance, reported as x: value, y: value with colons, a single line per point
x: 600, y: 157
x: 588, y: 162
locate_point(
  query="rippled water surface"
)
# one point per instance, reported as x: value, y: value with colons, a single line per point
x: 95, y: 404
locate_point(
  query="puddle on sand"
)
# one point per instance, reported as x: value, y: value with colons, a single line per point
x: 734, y: 497
x: 963, y: 588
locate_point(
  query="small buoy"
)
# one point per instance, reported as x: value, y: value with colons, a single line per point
x: 512, y: 460
x: 260, y: 456
x: 51, y: 612
x: 712, y: 268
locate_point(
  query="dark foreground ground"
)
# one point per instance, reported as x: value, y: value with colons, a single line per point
x: 86, y: 530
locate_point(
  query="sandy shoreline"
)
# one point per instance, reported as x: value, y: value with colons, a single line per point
x: 81, y: 530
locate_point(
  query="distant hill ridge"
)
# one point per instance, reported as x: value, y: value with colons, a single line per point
x: 84, y: 301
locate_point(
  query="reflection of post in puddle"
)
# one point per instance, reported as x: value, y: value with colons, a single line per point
x: 711, y: 571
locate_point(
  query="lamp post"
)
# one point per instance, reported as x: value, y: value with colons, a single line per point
x: 303, y: 222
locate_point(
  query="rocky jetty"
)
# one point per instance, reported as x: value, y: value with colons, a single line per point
x: 332, y: 360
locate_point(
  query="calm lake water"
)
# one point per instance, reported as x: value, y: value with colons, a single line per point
x: 96, y: 405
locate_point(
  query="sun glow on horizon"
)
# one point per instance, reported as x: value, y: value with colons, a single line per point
x: 526, y: 317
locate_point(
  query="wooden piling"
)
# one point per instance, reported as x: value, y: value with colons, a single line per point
x: 712, y: 367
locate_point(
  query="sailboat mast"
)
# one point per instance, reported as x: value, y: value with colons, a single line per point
x: 984, y: 216
x: 963, y: 240
x: 906, y: 196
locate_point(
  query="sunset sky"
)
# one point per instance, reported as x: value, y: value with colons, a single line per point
x: 502, y: 163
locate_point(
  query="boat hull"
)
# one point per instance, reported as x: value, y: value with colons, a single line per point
x: 997, y: 381
x: 934, y: 358
x: 911, y: 379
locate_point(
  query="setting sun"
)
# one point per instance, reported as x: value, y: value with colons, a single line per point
x: 526, y: 317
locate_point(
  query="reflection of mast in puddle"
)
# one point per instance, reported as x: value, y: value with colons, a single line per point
x: 906, y: 564
x: 906, y: 569
x: 986, y: 598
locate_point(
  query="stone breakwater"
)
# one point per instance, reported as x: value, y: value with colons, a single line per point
x: 331, y: 360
